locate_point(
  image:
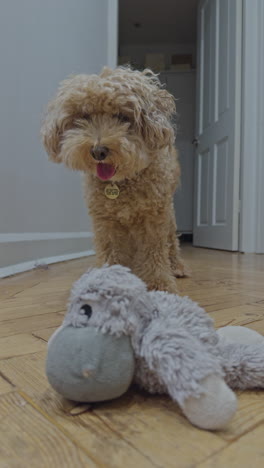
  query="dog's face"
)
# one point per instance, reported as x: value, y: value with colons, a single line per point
x: 110, y: 125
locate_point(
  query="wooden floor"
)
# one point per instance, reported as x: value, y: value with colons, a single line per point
x: 38, y: 429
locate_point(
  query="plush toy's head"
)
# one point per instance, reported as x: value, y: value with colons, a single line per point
x: 90, y: 358
x: 107, y: 298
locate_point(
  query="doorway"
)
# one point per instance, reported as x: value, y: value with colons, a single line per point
x: 162, y: 36
x: 202, y: 67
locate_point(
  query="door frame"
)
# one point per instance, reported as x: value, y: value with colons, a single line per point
x: 112, y: 33
x: 252, y: 126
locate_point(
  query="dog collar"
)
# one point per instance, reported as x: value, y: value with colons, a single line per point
x: 112, y: 191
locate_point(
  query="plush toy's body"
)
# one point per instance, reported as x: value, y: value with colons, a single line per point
x: 116, y: 331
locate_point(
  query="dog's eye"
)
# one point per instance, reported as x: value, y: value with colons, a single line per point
x: 123, y: 118
x: 80, y: 119
x: 86, y: 116
x: 87, y: 310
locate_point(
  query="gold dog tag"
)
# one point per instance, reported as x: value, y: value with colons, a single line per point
x: 112, y: 191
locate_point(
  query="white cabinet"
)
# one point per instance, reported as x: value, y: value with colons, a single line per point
x: 182, y: 85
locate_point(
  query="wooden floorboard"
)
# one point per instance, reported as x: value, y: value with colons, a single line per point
x: 38, y: 428
x: 30, y: 439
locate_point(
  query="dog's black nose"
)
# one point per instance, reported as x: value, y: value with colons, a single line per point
x: 99, y: 152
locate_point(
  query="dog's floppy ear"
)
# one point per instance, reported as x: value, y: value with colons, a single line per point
x: 157, y: 127
x: 158, y: 131
x: 60, y: 115
x: 165, y: 102
x: 54, y: 124
x: 51, y: 135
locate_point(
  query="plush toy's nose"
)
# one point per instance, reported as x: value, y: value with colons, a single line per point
x: 87, y: 372
x: 99, y: 153
x: 86, y: 365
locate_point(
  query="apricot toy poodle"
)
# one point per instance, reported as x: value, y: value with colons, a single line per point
x: 117, y: 129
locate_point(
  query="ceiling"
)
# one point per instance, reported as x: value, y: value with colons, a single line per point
x: 157, y: 21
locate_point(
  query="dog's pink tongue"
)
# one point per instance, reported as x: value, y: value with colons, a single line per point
x: 105, y: 171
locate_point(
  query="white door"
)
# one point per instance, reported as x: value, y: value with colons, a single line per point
x: 217, y: 155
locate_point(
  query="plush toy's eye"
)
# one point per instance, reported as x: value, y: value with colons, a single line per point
x: 87, y: 310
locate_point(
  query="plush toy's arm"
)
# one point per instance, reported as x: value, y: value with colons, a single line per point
x: 191, y: 375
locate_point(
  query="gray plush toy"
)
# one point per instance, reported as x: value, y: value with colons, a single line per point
x: 116, y: 332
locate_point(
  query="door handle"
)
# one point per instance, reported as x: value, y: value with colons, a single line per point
x: 195, y: 142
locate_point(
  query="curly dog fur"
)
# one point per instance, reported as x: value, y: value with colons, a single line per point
x: 116, y: 128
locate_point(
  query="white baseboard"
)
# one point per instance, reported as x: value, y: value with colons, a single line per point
x: 25, y: 266
x: 26, y: 250
x: 39, y: 236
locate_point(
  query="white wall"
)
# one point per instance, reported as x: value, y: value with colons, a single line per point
x: 41, y: 43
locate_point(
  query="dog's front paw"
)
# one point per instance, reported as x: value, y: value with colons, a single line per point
x: 162, y: 284
x: 180, y: 270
